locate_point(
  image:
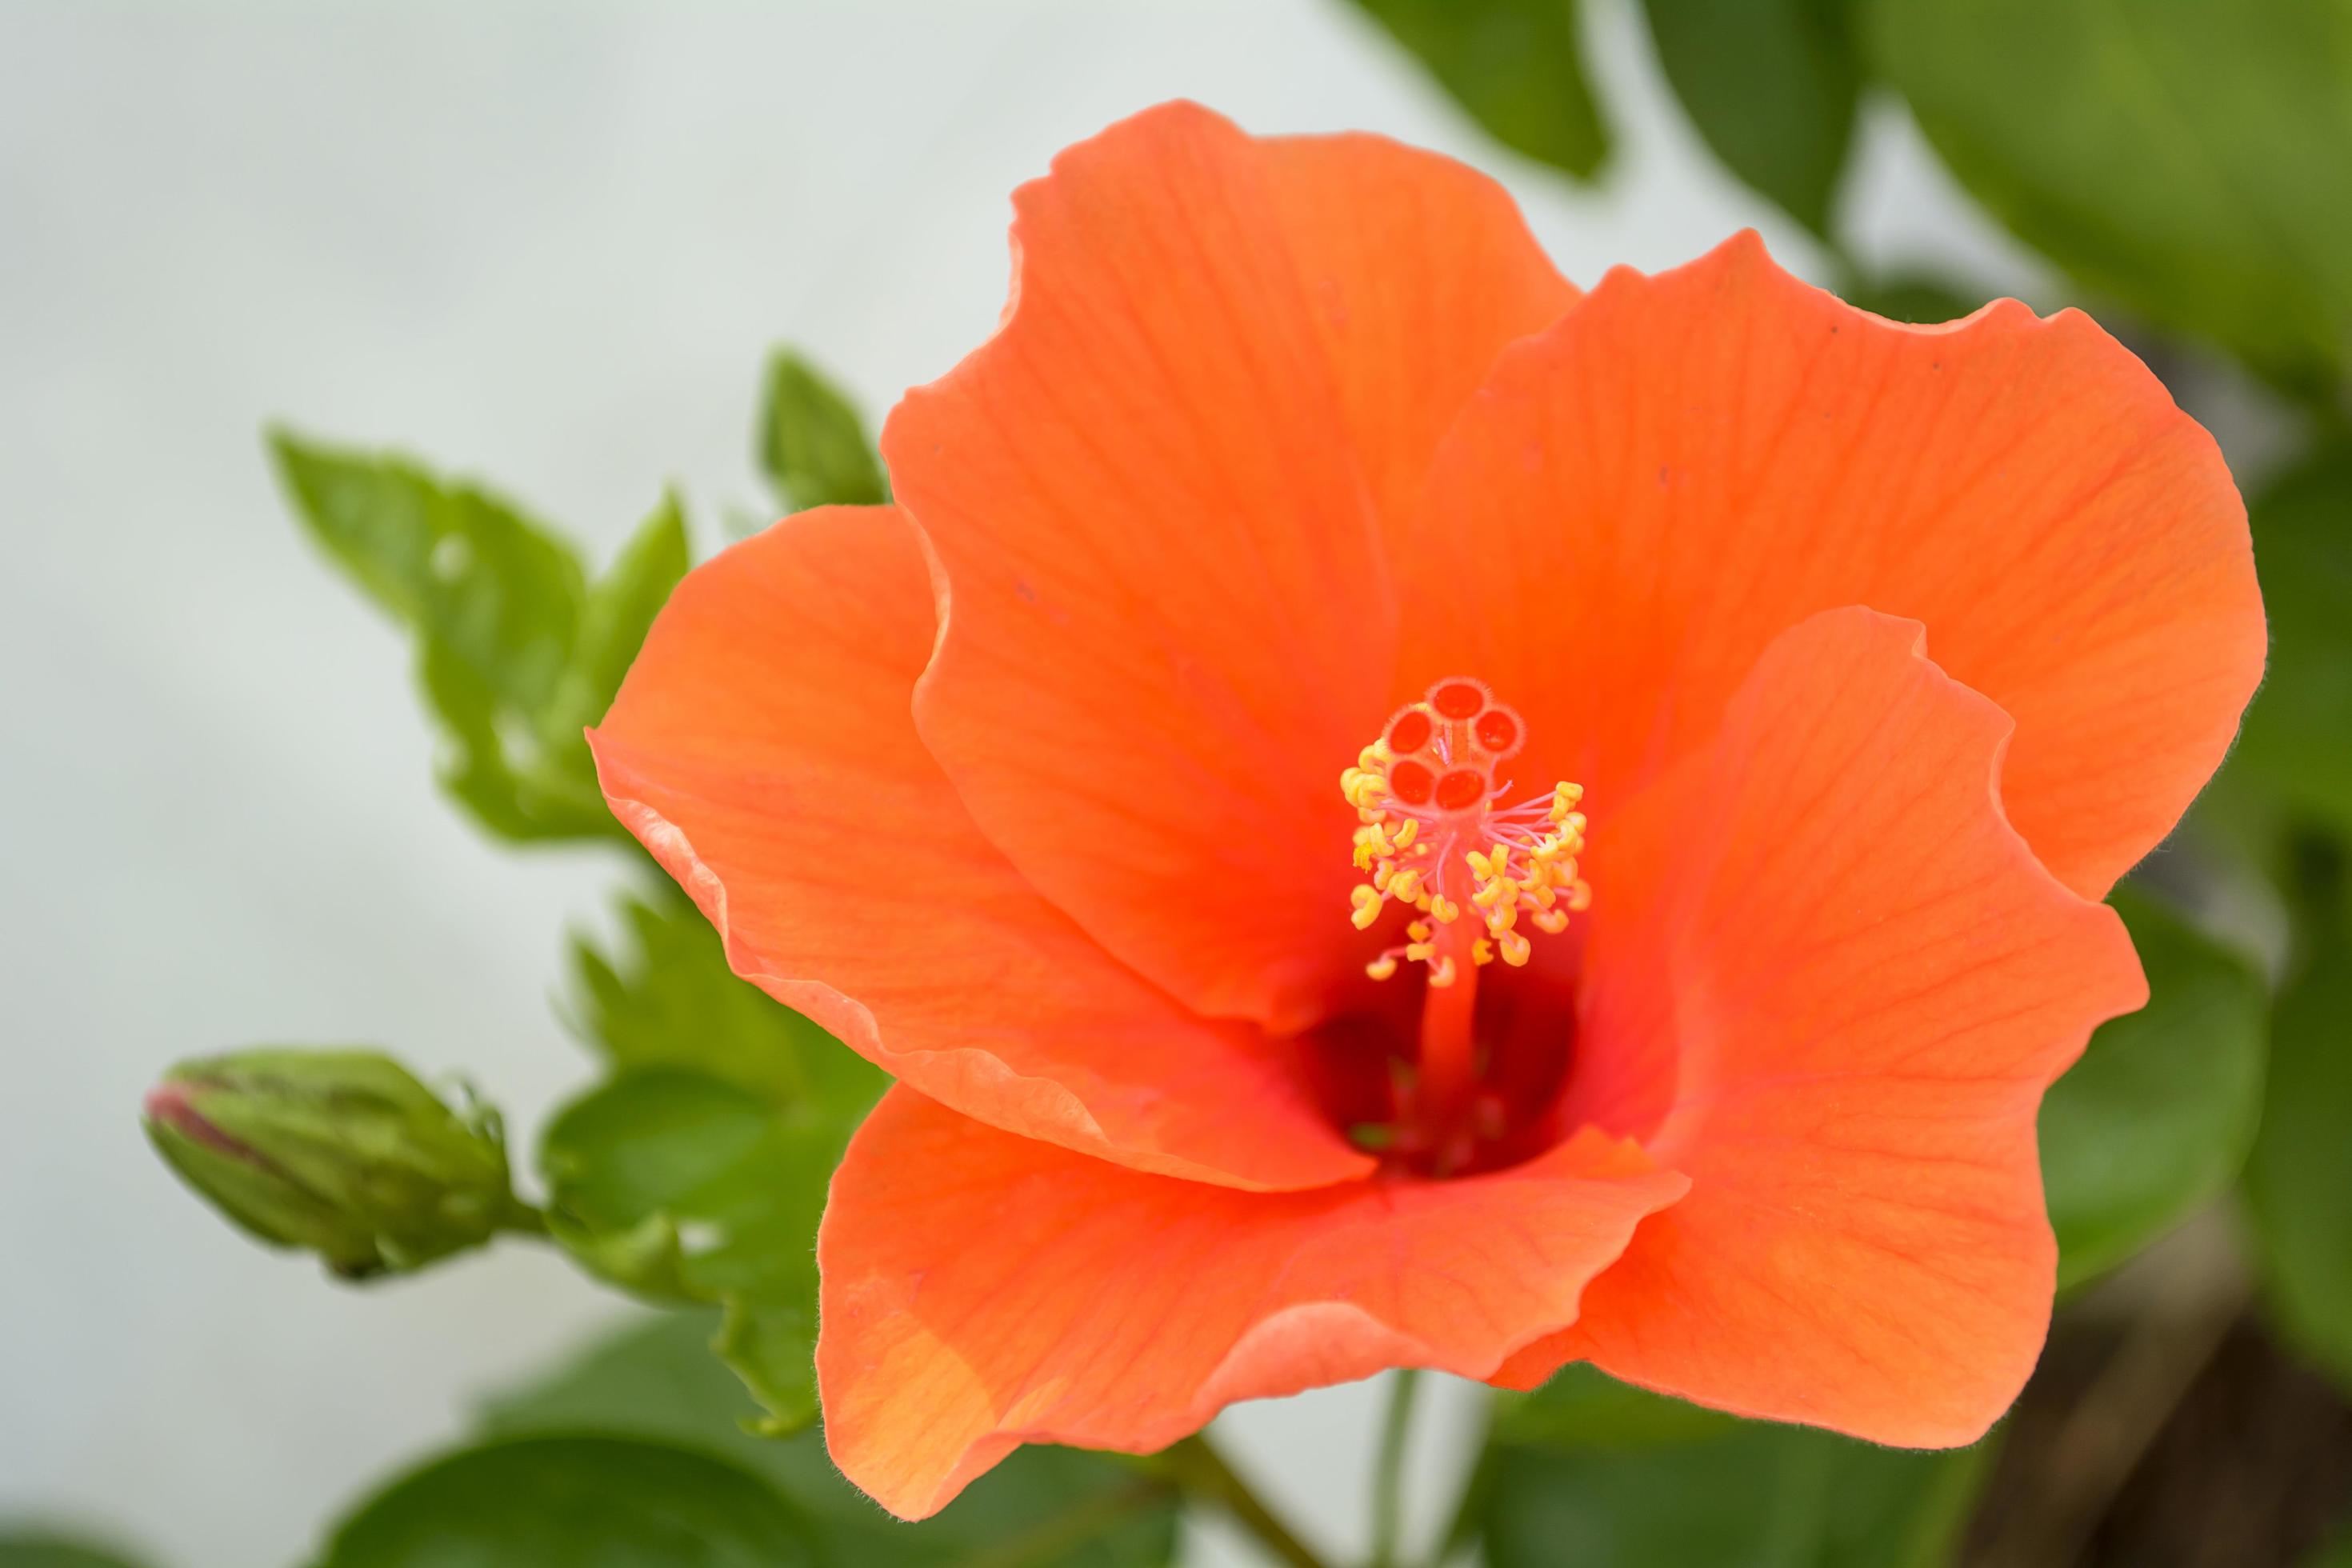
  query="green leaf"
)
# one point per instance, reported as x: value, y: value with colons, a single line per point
x: 2193, y: 159
x: 618, y: 612
x: 1609, y: 1474
x: 1905, y: 297
x: 698, y: 1172
x: 515, y: 652
x: 2157, y: 1116
x: 1772, y: 84
x: 2299, y: 1179
x: 342, y: 1152
x: 667, y: 999
x: 2336, y: 1554
x: 2297, y: 746
x: 1580, y: 1411
x: 575, y: 1502
x: 1042, y: 1507
x: 35, y: 1549
x: 812, y: 445
x: 1517, y: 65
x: 681, y: 1187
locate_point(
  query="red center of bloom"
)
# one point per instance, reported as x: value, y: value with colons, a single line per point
x: 1437, y: 836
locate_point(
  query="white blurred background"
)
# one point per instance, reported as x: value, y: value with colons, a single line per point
x: 548, y: 245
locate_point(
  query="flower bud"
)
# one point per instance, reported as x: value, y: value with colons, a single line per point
x: 340, y: 1152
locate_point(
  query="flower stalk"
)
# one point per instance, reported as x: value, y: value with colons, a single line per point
x: 1387, y: 1472
x: 1204, y: 1475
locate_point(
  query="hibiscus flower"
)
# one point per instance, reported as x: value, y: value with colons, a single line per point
x: 1385, y: 811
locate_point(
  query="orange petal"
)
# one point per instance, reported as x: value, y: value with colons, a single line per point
x: 1646, y: 495
x: 1830, y: 983
x: 982, y: 1291
x: 1152, y: 502
x: 1418, y: 270
x: 763, y: 750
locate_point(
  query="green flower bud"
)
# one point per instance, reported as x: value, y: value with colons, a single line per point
x: 340, y: 1152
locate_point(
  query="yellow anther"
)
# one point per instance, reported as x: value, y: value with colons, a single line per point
x: 1423, y: 859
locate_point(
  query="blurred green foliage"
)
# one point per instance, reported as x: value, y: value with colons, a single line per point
x: 575, y: 1502
x: 1772, y: 86
x: 45, y: 1550
x: 2190, y: 159
x: 1587, y: 1470
x: 1518, y: 65
x: 2337, y: 1553
x: 812, y: 444
x: 2295, y: 756
x: 2299, y: 1180
x: 2155, y: 1121
x: 1042, y: 1507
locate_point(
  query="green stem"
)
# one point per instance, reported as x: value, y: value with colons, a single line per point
x: 1463, y: 1528
x: 1388, y: 1469
x: 1195, y: 1465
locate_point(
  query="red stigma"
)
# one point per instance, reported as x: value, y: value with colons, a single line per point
x: 1410, y: 731
x: 1458, y: 698
x: 1461, y: 789
x: 1497, y: 731
x: 1412, y: 782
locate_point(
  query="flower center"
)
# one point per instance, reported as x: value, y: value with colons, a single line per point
x: 1437, y: 836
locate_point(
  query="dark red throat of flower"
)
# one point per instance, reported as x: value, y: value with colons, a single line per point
x: 1476, y: 873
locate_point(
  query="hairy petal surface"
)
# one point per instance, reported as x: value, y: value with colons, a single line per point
x: 1155, y: 500
x: 1830, y: 983
x: 763, y: 750
x: 981, y: 1291
x: 1686, y: 466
